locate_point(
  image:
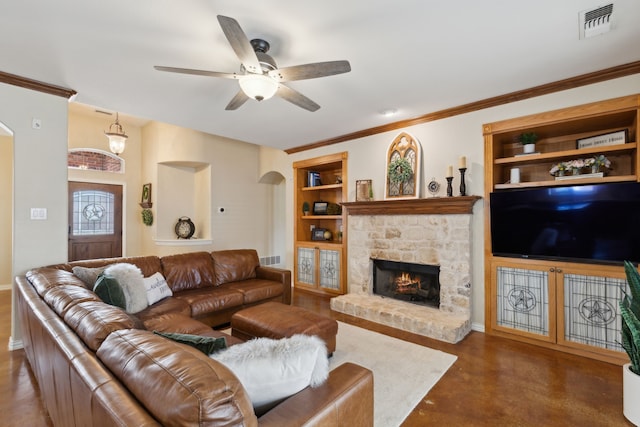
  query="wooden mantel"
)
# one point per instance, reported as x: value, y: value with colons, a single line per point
x: 431, y: 205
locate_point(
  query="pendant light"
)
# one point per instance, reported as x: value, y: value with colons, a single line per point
x: 117, y: 137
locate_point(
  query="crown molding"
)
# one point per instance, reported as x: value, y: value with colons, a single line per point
x: 27, y: 83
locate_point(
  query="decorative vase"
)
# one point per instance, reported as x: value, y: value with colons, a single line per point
x: 630, y: 393
x: 560, y: 173
x: 575, y: 171
x: 595, y: 168
x: 529, y: 148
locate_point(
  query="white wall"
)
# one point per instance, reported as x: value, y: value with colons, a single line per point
x: 40, y: 178
x: 443, y: 142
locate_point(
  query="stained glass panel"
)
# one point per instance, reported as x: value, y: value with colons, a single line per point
x: 93, y: 213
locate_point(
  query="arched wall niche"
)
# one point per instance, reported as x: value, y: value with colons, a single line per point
x: 277, y: 217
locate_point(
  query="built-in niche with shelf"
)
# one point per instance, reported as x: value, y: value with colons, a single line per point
x: 558, y: 133
x: 183, y: 189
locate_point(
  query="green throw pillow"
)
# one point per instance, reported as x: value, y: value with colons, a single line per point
x: 207, y: 345
x: 110, y: 291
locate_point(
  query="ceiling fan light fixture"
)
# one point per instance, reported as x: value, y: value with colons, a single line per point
x: 117, y: 137
x: 258, y: 86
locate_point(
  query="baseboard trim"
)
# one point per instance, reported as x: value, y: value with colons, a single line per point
x: 15, y: 344
x: 479, y: 327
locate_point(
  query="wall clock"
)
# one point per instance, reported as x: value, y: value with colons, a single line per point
x: 185, y: 228
x: 433, y: 187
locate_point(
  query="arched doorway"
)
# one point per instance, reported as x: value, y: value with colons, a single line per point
x: 277, y: 214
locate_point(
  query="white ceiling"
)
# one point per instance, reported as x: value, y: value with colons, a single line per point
x: 416, y: 56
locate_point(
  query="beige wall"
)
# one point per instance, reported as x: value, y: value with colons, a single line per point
x: 193, y: 174
x: 443, y: 142
x: 6, y: 204
x: 87, y: 131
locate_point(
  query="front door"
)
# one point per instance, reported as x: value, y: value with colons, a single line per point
x: 95, y: 221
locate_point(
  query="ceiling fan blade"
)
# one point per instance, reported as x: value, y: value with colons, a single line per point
x: 196, y: 72
x: 237, y: 101
x: 296, y: 98
x: 240, y: 44
x: 310, y: 71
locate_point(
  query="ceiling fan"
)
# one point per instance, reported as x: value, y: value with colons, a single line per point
x: 259, y: 76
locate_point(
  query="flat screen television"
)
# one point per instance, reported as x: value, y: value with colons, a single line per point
x: 596, y: 223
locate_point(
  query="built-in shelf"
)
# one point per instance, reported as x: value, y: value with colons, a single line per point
x: 577, y: 153
x: 432, y: 205
x: 314, y: 217
x: 182, y: 242
x: 322, y: 187
x: 577, y: 181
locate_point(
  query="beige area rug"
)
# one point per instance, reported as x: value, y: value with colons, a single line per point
x: 403, y: 372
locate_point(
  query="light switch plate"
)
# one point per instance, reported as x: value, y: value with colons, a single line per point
x: 38, y: 213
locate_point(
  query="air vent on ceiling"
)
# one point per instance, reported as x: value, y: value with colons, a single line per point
x: 596, y: 21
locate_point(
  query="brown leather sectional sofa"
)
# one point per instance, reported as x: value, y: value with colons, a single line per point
x: 98, y: 365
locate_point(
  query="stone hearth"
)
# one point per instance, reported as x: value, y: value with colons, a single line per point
x: 420, y: 231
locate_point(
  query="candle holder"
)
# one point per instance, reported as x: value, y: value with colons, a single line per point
x: 463, y: 187
x: 449, y: 186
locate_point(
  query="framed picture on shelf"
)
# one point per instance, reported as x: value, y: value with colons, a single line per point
x: 364, y: 190
x: 318, y: 234
x: 320, y: 208
x: 612, y: 138
x: 146, y: 196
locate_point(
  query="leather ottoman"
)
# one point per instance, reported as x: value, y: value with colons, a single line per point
x: 277, y: 320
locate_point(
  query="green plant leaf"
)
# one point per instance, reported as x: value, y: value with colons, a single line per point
x: 630, y: 334
x: 633, y: 277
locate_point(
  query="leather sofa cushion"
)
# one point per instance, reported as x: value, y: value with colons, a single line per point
x: 45, y: 278
x: 93, y: 321
x: 235, y: 264
x: 176, y: 322
x: 149, y: 264
x: 205, y: 301
x: 61, y: 297
x: 188, y: 271
x: 201, y: 392
x: 167, y: 305
x: 255, y: 290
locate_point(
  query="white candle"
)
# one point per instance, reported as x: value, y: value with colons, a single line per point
x: 450, y: 170
x: 463, y: 162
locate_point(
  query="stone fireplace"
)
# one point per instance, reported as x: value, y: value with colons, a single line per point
x: 434, y: 231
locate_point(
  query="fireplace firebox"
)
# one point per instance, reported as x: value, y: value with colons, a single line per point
x: 405, y: 281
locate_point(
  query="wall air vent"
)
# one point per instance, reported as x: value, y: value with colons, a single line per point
x: 596, y: 21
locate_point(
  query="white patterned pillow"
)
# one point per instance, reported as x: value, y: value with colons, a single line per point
x: 131, y: 281
x: 157, y: 288
x: 271, y: 370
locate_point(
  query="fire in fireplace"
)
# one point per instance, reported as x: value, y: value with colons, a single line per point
x: 415, y: 283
